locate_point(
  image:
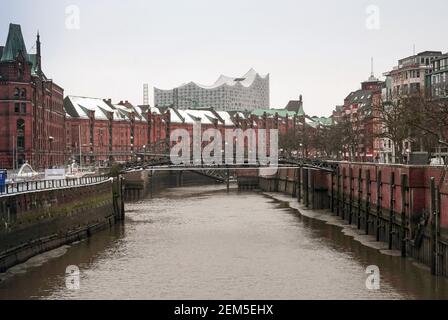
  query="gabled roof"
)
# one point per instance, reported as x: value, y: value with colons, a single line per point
x: 363, y: 98
x: 14, y: 44
x: 295, y: 106
x: 190, y: 116
x: 226, y: 117
x: 203, y: 115
x: 79, y: 107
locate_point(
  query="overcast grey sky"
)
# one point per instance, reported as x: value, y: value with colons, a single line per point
x: 320, y: 49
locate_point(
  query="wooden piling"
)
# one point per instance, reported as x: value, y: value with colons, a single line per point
x: 151, y: 182
x: 358, y: 220
x: 350, y: 200
x: 403, y: 214
x: 338, y: 198
x: 312, y: 188
x: 332, y: 193
x: 379, y: 198
x: 228, y: 180
x: 343, y: 194
x: 368, y: 199
x: 305, y: 186
x: 432, y: 190
x: 391, y: 208
x: 294, y: 184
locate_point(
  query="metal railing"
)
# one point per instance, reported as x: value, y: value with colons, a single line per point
x: 35, y: 185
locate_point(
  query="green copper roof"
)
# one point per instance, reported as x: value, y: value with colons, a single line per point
x: 280, y: 112
x: 33, y: 60
x: 301, y: 112
x: 14, y: 44
x: 325, y: 121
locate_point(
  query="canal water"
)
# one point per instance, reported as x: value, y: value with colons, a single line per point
x: 205, y: 243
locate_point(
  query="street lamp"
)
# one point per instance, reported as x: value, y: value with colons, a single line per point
x: 50, y: 140
x: 132, y: 152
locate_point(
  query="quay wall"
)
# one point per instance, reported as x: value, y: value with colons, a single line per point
x: 403, y: 206
x: 37, y: 221
x: 143, y: 182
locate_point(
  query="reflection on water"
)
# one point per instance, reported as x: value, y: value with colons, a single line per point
x: 202, y: 243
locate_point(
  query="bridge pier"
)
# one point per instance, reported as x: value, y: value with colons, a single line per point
x: 180, y: 178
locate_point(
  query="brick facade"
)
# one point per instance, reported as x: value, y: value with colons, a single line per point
x: 31, y: 109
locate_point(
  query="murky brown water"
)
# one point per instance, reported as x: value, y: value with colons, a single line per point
x: 202, y: 243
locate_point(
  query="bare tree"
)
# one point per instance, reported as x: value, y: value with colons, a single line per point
x: 394, y: 119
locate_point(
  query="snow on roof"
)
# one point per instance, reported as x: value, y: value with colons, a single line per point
x: 140, y: 111
x: 226, y: 117
x: 175, y: 116
x: 189, y: 116
x: 120, y: 107
x: 203, y: 115
x: 124, y: 113
x: 120, y: 115
x: 83, y: 105
x: 241, y: 115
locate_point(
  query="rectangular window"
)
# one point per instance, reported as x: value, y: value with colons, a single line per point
x: 23, y: 107
x: 20, y: 143
x: 17, y: 107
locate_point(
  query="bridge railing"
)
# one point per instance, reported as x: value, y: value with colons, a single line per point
x: 35, y: 185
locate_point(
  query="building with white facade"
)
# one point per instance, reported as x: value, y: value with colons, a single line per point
x: 412, y: 76
x: 245, y: 93
x: 409, y: 76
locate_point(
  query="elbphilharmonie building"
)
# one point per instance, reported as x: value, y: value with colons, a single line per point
x: 245, y: 93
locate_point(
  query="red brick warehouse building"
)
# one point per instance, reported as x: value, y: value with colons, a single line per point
x: 99, y: 132
x: 31, y: 108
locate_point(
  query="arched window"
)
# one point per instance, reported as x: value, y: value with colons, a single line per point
x: 23, y: 93
x: 16, y: 93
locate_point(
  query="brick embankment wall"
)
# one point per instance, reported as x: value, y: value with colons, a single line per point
x: 141, y: 183
x: 394, y: 203
x: 38, y: 221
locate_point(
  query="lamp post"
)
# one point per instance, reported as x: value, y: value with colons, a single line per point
x: 132, y: 152
x: 50, y: 140
x: 80, y: 149
x: 13, y: 152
